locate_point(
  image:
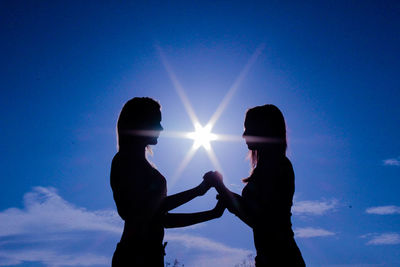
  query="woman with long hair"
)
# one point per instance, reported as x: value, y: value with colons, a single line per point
x: 140, y: 191
x: 266, y: 200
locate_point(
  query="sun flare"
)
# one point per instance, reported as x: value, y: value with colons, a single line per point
x: 202, y: 136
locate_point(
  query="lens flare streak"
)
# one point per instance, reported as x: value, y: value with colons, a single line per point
x: 182, y: 166
x: 202, y: 136
x: 235, y: 85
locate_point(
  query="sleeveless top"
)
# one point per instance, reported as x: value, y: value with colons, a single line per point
x: 268, y: 199
x: 139, y: 191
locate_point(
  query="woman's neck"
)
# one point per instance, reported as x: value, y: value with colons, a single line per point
x: 136, y: 151
x: 267, y: 156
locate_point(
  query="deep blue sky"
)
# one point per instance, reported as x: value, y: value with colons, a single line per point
x: 332, y: 67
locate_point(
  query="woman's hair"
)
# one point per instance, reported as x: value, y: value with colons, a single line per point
x: 137, y: 114
x: 266, y: 122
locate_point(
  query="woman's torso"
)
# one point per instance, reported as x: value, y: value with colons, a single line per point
x: 271, y: 189
x: 138, y: 190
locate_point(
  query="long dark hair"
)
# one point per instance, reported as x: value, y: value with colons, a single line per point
x: 269, y: 128
x: 136, y: 115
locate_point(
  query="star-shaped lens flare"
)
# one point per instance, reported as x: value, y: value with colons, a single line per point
x: 203, y: 136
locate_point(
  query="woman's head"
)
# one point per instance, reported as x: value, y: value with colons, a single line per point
x: 265, y: 130
x: 139, y: 122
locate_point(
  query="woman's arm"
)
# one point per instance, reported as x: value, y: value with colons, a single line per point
x: 233, y: 201
x: 245, y: 212
x: 235, y: 204
x: 173, y: 201
x: 173, y: 220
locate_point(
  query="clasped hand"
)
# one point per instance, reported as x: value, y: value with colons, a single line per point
x: 212, y: 179
x: 227, y: 198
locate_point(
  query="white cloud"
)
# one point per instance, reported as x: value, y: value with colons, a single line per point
x: 392, y: 162
x: 383, y: 239
x: 52, y: 231
x: 45, y: 212
x: 313, y: 207
x: 192, y: 241
x: 307, y: 232
x: 51, y: 257
x: 212, y: 253
x: 384, y: 210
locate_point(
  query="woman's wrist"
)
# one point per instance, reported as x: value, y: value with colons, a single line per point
x: 201, y: 189
x: 220, y: 187
x: 213, y: 213
x: 198, y: 190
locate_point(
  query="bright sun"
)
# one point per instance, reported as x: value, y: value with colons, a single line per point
x: 202, y: 136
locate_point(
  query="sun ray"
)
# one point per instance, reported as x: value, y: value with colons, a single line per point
x: 202, y: 136
x: 228, y: 138
x: 235, y: 85
x: 182, y: 166
x: 262, y: 139
x: 214, y: 160
x: 175, y: 134
x: 179, y: 89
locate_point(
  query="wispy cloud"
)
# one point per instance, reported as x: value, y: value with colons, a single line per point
x: 50, y: 230
x: 382, y: 239
x: 54, y: 232
x: 45, y: 211
x: 313, y: 207
x: 392, y: 162
x: 192, y: 241
x: 384, y: 210
x: 51, y: 257
x: 308, y: 232
x: 207, y: 252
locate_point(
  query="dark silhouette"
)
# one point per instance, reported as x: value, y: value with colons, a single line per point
x: 140, y: 191
x: 266, y: 200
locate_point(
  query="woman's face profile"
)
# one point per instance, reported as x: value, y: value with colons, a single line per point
x: 155, y: 128
x: 249, y: 132
x: 255, y: 131
x: 246, y: 138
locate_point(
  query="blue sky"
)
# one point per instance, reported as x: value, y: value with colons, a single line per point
x: 68, y: 67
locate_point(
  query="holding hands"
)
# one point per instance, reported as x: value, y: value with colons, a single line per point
x: 227, y: 198
x: 219, y: 209
x: 210, y: 179
x: 203, y: 188
x: 213, y: 179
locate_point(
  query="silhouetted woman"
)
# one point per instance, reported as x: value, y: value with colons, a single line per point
x: 266, y: 200
x: 140, y: 191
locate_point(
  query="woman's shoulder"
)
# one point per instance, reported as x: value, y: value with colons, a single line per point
x: 268, y: 172
x: 287, y: 161
x: 287, y: 166
x: 133, y: 170
x: 157, y: 175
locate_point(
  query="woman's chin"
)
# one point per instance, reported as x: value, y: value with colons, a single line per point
x: 152, y: 142
x: 250, y: 146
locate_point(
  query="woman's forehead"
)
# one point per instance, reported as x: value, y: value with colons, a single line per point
x: 158, y: 114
